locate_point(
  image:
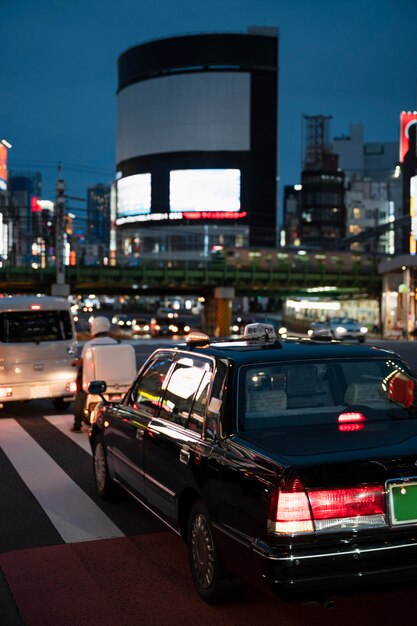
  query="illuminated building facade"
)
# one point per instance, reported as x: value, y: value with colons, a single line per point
x: 25, y: 189
x: 197, y: 144
x: 98, y: 218
x: 373, y: 189
x: 322, y: 211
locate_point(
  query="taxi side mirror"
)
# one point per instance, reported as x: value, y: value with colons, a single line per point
x: 97, y: 388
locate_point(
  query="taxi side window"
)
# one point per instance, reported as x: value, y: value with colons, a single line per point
x: 199, y: 408
x: 187, y: 388
x: 146, y: 393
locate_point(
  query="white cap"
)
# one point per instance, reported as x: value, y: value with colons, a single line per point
x: 100, y: 325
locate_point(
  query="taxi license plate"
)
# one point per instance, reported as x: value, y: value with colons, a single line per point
x: 403, y: 503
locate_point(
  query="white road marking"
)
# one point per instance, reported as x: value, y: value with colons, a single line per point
x: 64, y: 423
x: 72, y: 512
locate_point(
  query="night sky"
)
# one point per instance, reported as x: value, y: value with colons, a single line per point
x: 356, y: 61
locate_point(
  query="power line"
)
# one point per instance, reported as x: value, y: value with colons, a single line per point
x: 80, y: 167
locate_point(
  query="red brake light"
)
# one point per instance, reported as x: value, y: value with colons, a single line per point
x: 351, y: 421
x: 295, y: 510
x: 350, y: 428
x: 350, y: 417
x: 351, y: 502
x: 289, y: 510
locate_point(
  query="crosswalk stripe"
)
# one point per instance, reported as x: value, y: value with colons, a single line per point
x: 64, y: 423
x: 75, y: 516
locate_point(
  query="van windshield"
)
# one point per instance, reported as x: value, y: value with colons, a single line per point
x: 26, y: 326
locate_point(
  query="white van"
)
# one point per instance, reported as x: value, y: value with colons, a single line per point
x: 38, y: 348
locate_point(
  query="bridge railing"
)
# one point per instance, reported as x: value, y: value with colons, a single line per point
x: 247, y: 275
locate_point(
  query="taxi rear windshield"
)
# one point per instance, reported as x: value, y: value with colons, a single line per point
x: 35, y: 326
x: 308, y: 393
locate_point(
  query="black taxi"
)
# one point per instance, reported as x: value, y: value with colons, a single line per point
x: 290, y: 463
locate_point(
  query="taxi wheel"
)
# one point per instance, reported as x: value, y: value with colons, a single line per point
x: 106, y: 489
x: 212, y: 582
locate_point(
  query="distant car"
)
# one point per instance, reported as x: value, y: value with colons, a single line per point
x: 171, y: 322
x: 166, y: 312
x: 123, y: 321
x: 339, y: 328
x: 141, y: 326
x: 167, y: 326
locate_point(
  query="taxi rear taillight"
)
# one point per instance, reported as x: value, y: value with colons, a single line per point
x: 289, y: 511
x: 295, y: 510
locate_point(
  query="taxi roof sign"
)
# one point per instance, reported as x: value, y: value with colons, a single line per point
x: 259, y: 330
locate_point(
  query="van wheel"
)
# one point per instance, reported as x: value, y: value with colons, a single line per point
x: 61, y: 404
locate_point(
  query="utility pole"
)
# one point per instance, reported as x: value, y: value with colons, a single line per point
x: 60, y: 288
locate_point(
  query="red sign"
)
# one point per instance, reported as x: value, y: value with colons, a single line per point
x: 35, y: 206
x: 214, y: 215
x: 3, y: 162
x: 406, y: 121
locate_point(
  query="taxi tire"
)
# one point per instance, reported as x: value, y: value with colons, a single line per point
x: 105, y: 487
x: 212, y: 582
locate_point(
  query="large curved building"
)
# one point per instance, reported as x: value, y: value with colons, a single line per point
x: 197, y: 143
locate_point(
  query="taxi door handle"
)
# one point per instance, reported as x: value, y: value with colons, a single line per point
x: 184, y: 456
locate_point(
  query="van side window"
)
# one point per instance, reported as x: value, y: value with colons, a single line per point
x: 37, y: 326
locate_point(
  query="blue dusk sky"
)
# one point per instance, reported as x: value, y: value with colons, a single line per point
x: 355, y: 61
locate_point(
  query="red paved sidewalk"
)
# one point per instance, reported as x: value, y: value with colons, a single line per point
x: 146, y: 580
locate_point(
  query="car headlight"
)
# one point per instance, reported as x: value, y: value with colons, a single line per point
x: 363, y: 329
x: 341, y: 330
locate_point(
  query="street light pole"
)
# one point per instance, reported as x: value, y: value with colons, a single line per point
x: 60, y: 288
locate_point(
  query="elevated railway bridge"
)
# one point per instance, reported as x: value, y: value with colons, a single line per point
x: 242, y: 273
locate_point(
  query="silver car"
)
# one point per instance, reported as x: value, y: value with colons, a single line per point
x: 340, y: 328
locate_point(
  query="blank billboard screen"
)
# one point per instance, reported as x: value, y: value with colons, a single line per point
x: 204, y: 190
x: 207, y: 111
x: 134, y: 195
